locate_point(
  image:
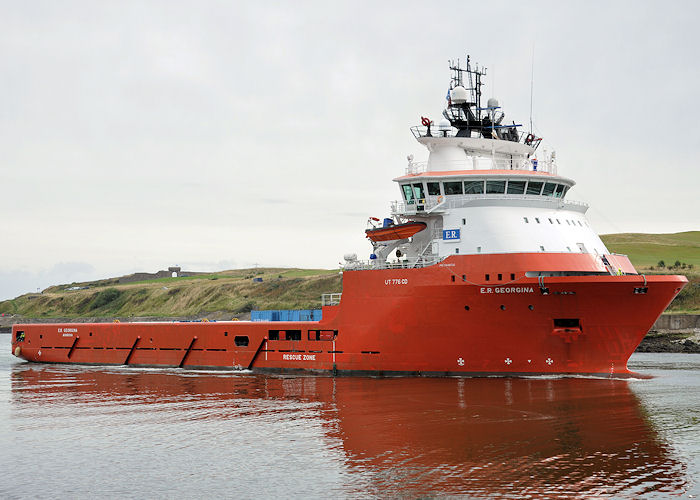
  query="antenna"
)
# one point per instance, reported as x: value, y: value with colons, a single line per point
x: 532, y: 83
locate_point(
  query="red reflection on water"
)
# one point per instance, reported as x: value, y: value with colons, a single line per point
x: 415, y: 437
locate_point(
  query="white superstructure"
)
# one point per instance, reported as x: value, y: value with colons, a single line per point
x: 484, y: 189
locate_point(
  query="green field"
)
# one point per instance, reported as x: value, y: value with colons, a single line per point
x: 646, y: 250
x: 224, y: 295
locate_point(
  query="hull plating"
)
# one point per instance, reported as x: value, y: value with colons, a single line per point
x: 438, y: 320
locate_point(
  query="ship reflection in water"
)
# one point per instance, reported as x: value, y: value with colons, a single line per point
x: 174, y: 433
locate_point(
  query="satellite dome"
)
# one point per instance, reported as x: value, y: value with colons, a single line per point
x: 458, y: 95
x: 444, y: 125
x: 492, y: 102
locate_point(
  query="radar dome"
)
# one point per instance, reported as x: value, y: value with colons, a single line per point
x: 458, y: 95
x: 492, y: 102
x: 444, y: 125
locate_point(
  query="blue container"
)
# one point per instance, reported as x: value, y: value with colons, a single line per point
x: 286, y: 315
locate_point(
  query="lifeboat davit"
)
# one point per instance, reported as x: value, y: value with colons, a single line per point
x: 396, y: 232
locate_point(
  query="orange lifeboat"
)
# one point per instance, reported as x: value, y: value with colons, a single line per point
x: 396, y: 232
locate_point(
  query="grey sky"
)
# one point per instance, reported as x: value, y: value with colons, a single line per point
x: 137, y: 135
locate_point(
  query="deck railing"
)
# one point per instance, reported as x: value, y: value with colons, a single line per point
x: 545, y: 165
x: 330, y: 299
x: 433, y: 203
x: 423, y: 261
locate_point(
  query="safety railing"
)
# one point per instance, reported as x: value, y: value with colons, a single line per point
x: 422, y: 261
x: 433, y: 203
x: 330, y: 299
x: 435, y: 131
x: 545, y: 165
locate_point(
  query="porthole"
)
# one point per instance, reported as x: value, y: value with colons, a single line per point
x: 503, y: 308
x: 531, y: 307
x: 466, y: 308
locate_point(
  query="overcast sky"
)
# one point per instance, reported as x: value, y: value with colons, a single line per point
x: 219, y: 135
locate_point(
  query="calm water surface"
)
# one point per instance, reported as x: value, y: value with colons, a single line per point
x: 76, y: 432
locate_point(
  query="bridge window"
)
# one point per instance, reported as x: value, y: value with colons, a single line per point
x: 495, y: 187
x: 453, y: 187
x: 534, y: 187
x: 434, y: 188
x: 273, y: 334
x: 516, y: 187
x: 548, y: 189
x: 473, y: 187
x: 418, y: 191
x: 559, y: 191
x: 407, y: 192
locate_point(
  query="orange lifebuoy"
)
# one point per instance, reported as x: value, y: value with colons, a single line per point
x: 425, y: 121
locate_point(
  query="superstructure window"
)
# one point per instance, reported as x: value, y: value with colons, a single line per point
x: 418, y: 191
x: 548, y: 189
x: 525, y: 219
x: 495, y: 187
x: 473, y: 187
x: 241, y: 340
x: 453, y: 187
x: 516, y: 187
x: 534, y: 187
x: 434, y: 188
x: 559, y: 191
x: 407, y: 192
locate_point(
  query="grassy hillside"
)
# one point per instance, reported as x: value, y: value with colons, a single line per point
x: 231, y: 292
x: 646, y: 250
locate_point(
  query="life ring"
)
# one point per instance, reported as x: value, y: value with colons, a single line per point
x: 425, y: 121
x: 440, y: 198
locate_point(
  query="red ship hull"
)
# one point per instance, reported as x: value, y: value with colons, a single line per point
x: 445, y: 319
